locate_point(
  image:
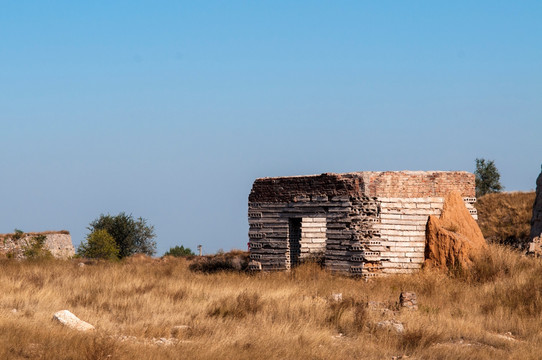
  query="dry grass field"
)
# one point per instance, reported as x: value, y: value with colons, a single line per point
x: 491, y: 312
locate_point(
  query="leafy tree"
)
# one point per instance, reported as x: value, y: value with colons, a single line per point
x: 179, y: 251
x: 131, y: 235
x: 487, y: 177
x: 99, y: 245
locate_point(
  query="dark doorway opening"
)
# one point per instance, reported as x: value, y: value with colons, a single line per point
x: 294, y: 241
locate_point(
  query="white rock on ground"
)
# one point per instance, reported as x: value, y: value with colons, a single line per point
x: 393, y: 324
x: 66, y: 318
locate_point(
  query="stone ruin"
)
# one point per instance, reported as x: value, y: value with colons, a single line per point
x: 364, y: 223
x: 59, y: 243
x: 535, y: 246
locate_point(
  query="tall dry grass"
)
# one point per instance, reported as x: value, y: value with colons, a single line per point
x: 286, y: 315
x: 505, y: 218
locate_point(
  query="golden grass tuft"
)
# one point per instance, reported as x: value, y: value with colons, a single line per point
x: 490, y: 312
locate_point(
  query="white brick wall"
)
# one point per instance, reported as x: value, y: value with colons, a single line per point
x: 313, y: 235
x: 402, y: 230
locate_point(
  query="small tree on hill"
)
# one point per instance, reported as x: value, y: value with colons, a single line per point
x: 131, y: 235
x: 99, y: 245
x: 487, y: 177
x: 179, y: 251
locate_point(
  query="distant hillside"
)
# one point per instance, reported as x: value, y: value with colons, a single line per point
x: 505, y: 218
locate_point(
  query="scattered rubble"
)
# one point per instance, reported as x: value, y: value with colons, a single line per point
x: 391, y: 325
x: 408, y: 301
x: 152, y: 341
x: 381, y: 307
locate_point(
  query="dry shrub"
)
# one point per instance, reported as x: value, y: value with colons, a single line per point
x: 497, y: 262
x: 337, y: 310
x: 178, y: 295
x: 244, y: 304
x: 139, y: 259
x: 416, y: 339
x: 522, y: 298
x: 37, y: 280
x: 309, y: 270
x: 101, y: 347
x: 348, y: 316
x: 231, y: 261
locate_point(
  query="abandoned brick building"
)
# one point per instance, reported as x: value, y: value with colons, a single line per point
x: 365, y: 223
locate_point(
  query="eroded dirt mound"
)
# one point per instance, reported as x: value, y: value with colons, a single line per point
x: 454, y: 239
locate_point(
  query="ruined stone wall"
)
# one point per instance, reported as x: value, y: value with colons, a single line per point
x: 59, y: 243
x: 536, y: 220
x: 304, y: 188
x: 336, y: 228
x: 535, y: 246
x: 406, y: 199
x: 374, y: 222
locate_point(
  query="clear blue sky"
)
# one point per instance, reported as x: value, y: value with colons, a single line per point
x: 169, y: 110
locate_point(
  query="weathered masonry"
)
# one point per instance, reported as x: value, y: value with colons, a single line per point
x: 365, y: 223
x: 59, y: 243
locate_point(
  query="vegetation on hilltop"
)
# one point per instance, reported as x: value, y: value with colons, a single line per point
x: 178, y: 251
x: 505, y: 218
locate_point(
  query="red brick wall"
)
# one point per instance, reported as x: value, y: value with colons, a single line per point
x: 418, y: 184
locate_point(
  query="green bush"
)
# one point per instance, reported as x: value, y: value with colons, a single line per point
x: 99, y: 245
x: 179, y: 251
x: 132, y: 236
